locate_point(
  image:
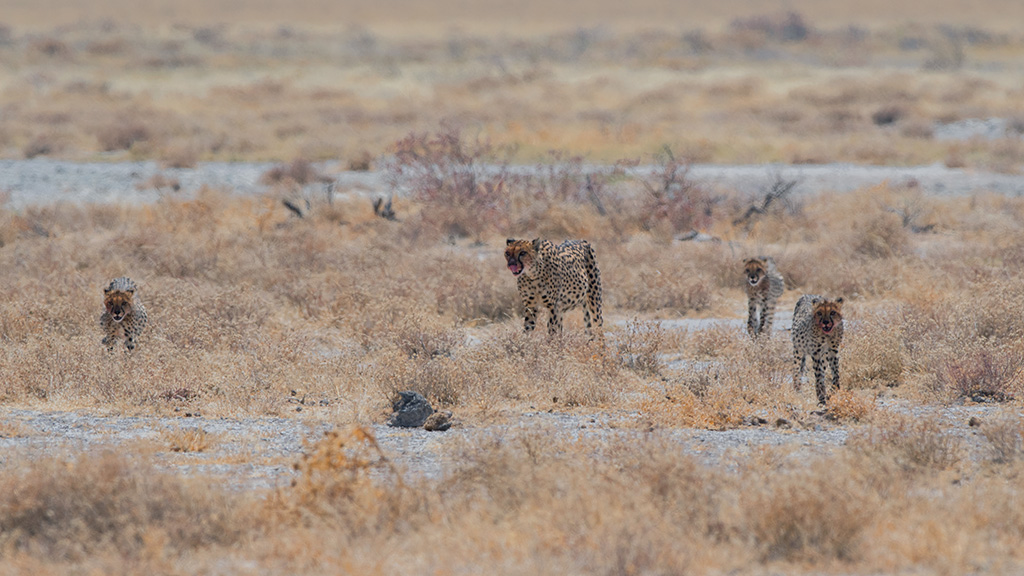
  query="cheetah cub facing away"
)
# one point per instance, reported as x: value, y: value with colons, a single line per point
x: 560, y: 278
x: 764, y: 286
x: 817, y: 331
x: 124, y: 313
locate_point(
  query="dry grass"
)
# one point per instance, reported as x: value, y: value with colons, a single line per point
x: 758, y: 86
x: 250, y: 305
x: 508, y: 502
x: 188, y: 439
x: 358, y: 309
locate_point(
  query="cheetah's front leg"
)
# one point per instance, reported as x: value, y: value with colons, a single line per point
x: 819, y: 380
x: 530, y: 318
x: 799, y: 361
x: 833, y: 363
x: 555, y: 322
x: 111, y: 329
x: 752, y: 328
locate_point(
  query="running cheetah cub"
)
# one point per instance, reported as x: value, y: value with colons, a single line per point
x: 124, y: 313
x: 764, y: 286
x: 818, y: 332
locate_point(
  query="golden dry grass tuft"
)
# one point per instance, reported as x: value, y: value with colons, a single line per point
x: 188, y: 440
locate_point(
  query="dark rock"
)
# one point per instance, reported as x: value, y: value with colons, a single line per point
x: 438, y: 421
x: 974, y: 422
x: 411, y: 410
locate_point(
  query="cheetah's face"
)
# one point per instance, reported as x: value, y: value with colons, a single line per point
x: 118, y: 304
x: 828, y: 314
x: 519, y: 255
x: 754, y: 271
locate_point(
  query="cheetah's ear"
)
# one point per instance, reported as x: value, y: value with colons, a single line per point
x: 536, y: 243
x: 510, y: 241
x: 839, y: 300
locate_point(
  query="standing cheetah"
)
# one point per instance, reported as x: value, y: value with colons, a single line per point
x: 818, y: 331
x: 764, y: 286
x: 559, y: 278
x: 124, y: 313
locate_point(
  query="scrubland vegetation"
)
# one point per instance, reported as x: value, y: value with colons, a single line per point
x: 758, y: 86
x: 252, y: 306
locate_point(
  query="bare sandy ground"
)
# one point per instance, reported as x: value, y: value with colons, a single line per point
x: 42, y: 181
x: 258, y: 453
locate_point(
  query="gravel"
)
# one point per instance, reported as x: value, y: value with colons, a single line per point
x: 43, y: 181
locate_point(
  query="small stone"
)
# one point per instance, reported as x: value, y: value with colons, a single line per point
x: 974, y: 422
x: 411, y: 410
x: 438, y: 421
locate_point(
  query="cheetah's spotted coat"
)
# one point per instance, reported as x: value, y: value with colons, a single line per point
x: 818, y: 332
x: 124, y: 313
x: 560, y: 278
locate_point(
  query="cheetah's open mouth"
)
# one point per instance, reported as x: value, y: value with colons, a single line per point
x: 827, y: 328
x: 753, y: 281
x: 516, y: 268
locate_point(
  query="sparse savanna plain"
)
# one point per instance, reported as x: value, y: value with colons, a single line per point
x: 245, y: 432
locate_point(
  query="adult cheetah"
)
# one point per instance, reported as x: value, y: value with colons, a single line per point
x: 818, y: 332
x: 559, y: 278
x: 124, y: 313
x: 764, y: 285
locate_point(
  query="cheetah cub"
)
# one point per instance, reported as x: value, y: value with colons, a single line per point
x: 764, y: 286
x: 818, y: 332
x: 124, y: 313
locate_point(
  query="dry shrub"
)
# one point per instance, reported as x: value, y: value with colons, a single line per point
x: 70, y: 510
x: 716, y: 341
x: 473, y: 292
x: 645, y: 276
x: 981, y: 374
x: 1005, y: 433
x: 910, y: 444
x: 873, y: 354
x: 640, y: 345
x: 360, y: 162
x: 51, y: 48
x: 968, y: 343
x: 462, y: 184
x: 847, y: 406
x: 756, y: 380
x: 569, y: 370
x: 122, y: 134
x: 673, y: 202
x: 819, y: 514
x: 782, y: 27
x: 188, y: 439
x: 180, y: 156
x: 42, y: 145
x: 883, y: 236
x: 297, y: 172
x: 517, y: 484
x: 344, y: 480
